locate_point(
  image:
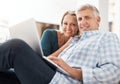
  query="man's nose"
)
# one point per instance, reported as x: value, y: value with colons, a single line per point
x: 83, y: 21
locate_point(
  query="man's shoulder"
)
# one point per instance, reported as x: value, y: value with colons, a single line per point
x: 109, y: 35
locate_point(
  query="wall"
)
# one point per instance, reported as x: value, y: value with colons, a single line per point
x: 42, y: 10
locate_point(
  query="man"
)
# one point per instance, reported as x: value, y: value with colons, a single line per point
x: 92, y: 57
x: 100, y: 51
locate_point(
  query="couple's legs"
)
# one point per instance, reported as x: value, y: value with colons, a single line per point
x: 29, y: 67
x: 8, y: 77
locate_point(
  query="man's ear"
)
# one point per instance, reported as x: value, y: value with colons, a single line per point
x: 98, y: 19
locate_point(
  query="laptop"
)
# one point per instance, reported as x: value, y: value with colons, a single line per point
x: 27, y: 31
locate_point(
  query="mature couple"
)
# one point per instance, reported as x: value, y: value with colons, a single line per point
x: 92, y: 57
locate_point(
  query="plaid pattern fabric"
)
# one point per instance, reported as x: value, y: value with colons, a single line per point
x: 97, y: 54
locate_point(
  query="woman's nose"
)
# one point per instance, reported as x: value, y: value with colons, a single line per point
x: 68, y: 26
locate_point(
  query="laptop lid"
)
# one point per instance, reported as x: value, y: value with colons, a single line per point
x: 27, y: 31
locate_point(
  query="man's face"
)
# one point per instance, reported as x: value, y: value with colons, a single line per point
x: 87, y: 20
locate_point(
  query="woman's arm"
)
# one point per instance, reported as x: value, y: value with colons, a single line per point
x: 48, y: 41
x: 56, y: 53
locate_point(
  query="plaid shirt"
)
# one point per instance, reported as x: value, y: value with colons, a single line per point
x: 97, y: 54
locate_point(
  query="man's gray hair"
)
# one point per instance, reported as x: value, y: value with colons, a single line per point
x: 88, y: 6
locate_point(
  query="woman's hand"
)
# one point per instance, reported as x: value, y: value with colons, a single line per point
x: 76, y: 73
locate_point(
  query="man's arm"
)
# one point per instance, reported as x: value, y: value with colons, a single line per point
x: 107, y: 71
x: 75, y: 73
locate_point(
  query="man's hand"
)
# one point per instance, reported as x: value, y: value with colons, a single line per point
x: 76, y: 73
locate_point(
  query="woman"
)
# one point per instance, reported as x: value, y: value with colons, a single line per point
x: 68, y: 23
x: 52, y: 40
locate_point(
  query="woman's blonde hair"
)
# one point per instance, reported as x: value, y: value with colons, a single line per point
x: 72, y: 13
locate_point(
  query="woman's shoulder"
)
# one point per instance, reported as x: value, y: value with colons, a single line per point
x: 50, y: 33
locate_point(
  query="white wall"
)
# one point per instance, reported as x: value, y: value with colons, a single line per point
x: 117, y: 18
x: 42, y: 10
x: 103, y: 8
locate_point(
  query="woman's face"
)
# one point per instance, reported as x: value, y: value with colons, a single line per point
x: 69, y: 25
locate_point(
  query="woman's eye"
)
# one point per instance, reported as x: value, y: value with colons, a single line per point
x: 72, y: 24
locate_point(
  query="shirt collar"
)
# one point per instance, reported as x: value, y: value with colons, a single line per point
x: 88, y: 34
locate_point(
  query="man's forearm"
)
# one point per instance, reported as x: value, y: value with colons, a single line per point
x: 76, y: 73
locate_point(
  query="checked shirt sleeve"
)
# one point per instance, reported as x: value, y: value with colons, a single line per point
x: 107, y: 71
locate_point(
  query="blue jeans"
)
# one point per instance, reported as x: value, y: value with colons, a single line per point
x: 30, y: 68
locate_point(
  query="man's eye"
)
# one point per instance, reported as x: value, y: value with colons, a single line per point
x: 65, y: 23
x: 79, y: 19
x: 87, y: 17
